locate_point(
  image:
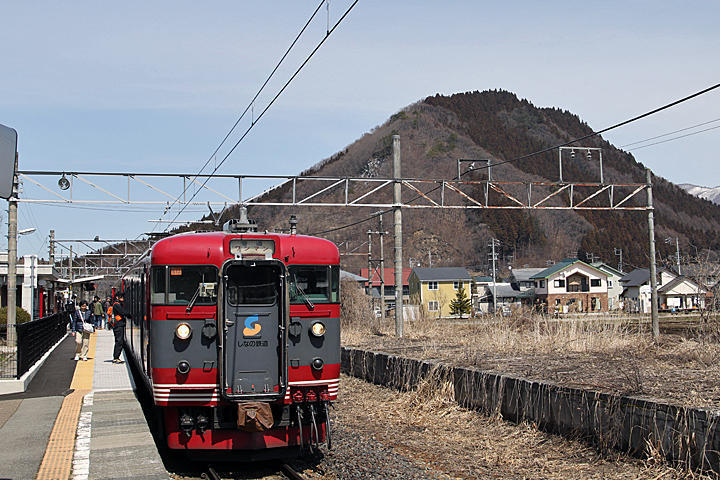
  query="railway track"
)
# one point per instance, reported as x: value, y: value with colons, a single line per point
x: 285, y: 470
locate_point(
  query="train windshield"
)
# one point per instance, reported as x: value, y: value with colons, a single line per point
x: 177, y: 285
x: 317, y: 283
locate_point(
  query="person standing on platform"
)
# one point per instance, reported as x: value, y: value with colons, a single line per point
x: 70, y: 311
x: 119, y: 317
x: 82, y: 327
x: 97, y: 311
x: 106, y: 307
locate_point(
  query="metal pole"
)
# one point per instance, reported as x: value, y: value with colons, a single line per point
x: 370, y: 271
x: 677, y: 250
x: 52, y: 248
x: 653, y: 270
x: 70, y: 268
x: 397, y: 219
x: 12, y: 263
x: 382, y: 271
x: 494, y: 280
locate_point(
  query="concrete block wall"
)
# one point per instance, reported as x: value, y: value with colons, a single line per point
x: 685, y: 436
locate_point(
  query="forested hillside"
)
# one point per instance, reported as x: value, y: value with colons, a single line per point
x: 439, y: 130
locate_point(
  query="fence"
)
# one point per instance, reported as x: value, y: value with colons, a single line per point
x: 33, y: 340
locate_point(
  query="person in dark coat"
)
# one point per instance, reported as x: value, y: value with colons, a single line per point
x: 120, y: 316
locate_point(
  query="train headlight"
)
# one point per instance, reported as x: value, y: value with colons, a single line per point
x: 318, y: 329
x: 183, y: 331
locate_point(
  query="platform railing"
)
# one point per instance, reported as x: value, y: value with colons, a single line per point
x: 34, y: 339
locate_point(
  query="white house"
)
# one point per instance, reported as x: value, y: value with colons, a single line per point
x: 572, y: 286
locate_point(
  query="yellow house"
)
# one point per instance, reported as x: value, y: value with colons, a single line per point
x: 434, y: 288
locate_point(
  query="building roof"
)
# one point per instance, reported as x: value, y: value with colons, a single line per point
x: 562, y: 265
x: 505, y: 290
x: 388, y: 276
x: 442, y: 274
x: 344, y: 275
x: 636, y: 278
x: 525, y: 274
x: 677, y: 281
x: 607, y: 268
x: 641, y: 276
x: 482, y: 279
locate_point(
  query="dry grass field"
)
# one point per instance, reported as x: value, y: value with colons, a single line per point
x: 598, y: 353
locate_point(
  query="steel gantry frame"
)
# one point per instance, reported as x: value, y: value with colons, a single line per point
x: 386, y: 193
x: 325, y: 191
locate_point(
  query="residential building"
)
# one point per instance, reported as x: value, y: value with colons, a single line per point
x: 435, y: 288
x: 675, y: 292
x: 614, y: 287
x: 521, y: 278
x: 389, y: 280
x: 572, y: 286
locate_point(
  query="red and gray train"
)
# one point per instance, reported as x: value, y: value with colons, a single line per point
x: 237, y: 336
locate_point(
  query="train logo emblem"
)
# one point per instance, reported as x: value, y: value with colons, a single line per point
x: 250, y: 329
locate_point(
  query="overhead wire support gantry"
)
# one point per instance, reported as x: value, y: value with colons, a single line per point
x: 328, y: 191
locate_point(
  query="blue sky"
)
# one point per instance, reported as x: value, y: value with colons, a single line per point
x: 154, y: 86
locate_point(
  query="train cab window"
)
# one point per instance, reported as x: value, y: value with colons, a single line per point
x: 179, y: 285
x: 318, y: 283
x: 252, y: 285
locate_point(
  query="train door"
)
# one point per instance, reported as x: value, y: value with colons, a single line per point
x: 253, y: 364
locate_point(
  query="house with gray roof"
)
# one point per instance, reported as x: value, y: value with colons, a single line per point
x: 434, y: 288
x: 675, y: 292
x: 521, y: 278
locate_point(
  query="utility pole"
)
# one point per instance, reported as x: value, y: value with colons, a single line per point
x: 494, y: 257
x: 618, y: 253
x: 382, y: 271
x: 52, y: 248
x: 397, y: 220
x: 677, y: 251
x: 370, y: 271
x: 653, y: 270
x: 12, y: 262
x: 70, y: 269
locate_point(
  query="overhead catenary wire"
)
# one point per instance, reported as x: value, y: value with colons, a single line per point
x: 675, y: 138
x: 267, y: 107
x: 249, y: 107
x: 671, y: 133
x: 539, y: 152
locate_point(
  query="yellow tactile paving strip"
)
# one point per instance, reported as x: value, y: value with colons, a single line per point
x: 57, y: 462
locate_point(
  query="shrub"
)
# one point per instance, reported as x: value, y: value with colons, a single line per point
x: 20, y: 317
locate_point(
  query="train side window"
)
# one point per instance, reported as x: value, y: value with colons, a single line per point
x: 158, y: 289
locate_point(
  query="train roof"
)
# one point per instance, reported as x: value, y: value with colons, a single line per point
x: 212, y: 248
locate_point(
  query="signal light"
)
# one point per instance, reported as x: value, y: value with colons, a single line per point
x: 183, y: 331
x: 318, y: 329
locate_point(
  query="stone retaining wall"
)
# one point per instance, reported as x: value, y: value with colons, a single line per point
x: 685, y: 436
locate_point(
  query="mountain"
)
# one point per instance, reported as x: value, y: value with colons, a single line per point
x: 438, y: 130
x: 712, y: 194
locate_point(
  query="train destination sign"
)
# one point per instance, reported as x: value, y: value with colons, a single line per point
x: 8, y: 149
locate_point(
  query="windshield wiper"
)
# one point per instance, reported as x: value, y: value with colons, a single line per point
x: 193, y: 299
x: 306, y: 299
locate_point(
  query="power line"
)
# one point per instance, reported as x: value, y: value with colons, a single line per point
x: 675, y: 138
x: 248, y: 107
x: 670, y: 133
x: 545, y: 150
x: 294, y: 75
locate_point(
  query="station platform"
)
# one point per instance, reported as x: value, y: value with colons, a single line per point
x: 78, y: 420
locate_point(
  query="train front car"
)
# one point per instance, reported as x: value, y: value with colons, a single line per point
x: 244, y: 341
